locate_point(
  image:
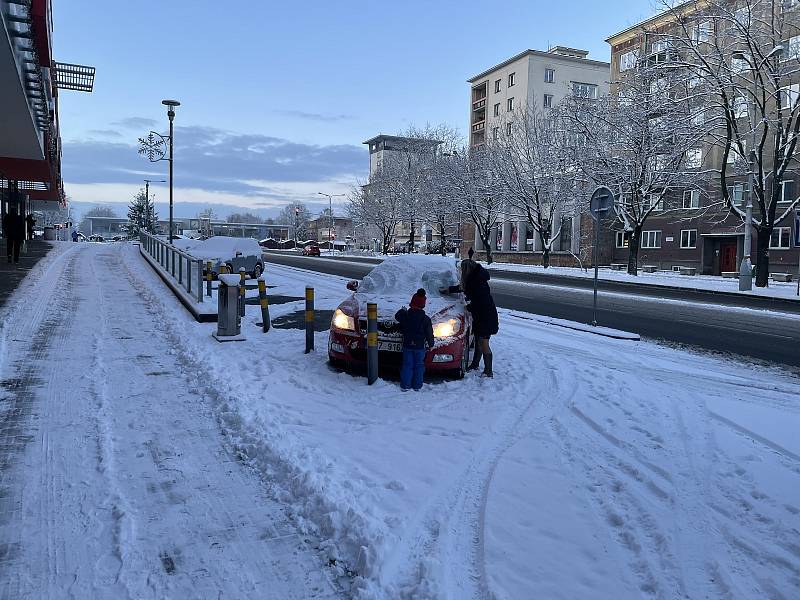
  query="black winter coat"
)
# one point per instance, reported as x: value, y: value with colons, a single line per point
x: 481, y: 304
x: 417, y: 328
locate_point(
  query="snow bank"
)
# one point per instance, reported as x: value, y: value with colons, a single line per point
x: 403, y: 275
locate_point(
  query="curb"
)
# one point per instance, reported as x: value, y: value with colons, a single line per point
x: 186, y: 300
x: 615, y: 334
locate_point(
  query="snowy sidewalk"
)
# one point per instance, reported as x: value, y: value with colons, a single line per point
x: 115, y: 480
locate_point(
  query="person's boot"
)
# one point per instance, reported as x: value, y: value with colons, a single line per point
x: 487, y: 365
x: 476, y: 359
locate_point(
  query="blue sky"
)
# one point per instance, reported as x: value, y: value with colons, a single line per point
x: 278, y: 96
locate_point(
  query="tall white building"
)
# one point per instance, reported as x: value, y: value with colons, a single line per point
x: 532, y: 78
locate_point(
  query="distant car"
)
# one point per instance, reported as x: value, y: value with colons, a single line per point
x: 311, y: 250
x: 391, y: 285
x: 96, y: 238
x: 234, y: 253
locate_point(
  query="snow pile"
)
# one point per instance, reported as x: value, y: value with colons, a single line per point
x: 223, y: 248
x: 403, y: 275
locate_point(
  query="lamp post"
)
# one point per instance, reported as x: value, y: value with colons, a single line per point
x: 170, y: 104
x: 330, y: 215
x: 746, y: 266
x: 147, y: 183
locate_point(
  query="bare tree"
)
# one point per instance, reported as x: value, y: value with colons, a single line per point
x: 377, y: 206
x: 297, y: 216
x: 746, y: 53
x: 644, y: 141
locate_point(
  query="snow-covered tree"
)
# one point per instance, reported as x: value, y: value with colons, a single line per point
x: 376, y: 206
x: 747, y: 55
x: 142, y: 215
x: 246, y: 217
x: 297, y: 216
x: 644, y: 141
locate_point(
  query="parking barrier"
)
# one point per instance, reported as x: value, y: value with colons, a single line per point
x: 242, y: 279
x: 372, y: 342
x: 208, y: 278
x: 309, y: 319
x: 264, y: 302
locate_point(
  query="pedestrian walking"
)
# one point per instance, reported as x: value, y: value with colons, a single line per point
x: 417, y: 334
x: 74, y: 235
x: 475, y: 286
x: 30, y: 223
x: 14, y: 232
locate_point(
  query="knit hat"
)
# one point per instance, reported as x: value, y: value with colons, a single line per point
x: 418, y: 300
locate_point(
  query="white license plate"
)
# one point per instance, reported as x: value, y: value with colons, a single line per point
x: 390, y: 346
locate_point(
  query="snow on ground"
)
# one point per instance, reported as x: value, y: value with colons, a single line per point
x: 665, y: 278
x: 588, y: 468
x: 115, y: 480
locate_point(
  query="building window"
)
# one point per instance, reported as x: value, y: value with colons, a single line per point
x: 508, y: 128
x: 793, y: 47
x: 623, y: 239
x: 584, y: 90
x: 548, y: 101
x: 734, y: 154
x: 549, y: 75
x: 654, y: 201
x: 495, y: 133
x: 694, y: 158
x: 689, y: 238
x: 511, y: 79
x: 736, y: 194
x: 510, y: 106
x: 497, y: 110
x: 651, y: 239
x: 740, y: 110
x: 789, y: 95
x: 787, y: 191
x: 565, y: 238
x: 703, y: 31
x: 659, y: 46
x: 691, y: 199
x: 699, y: 118
x: 497, y: 86
x: 739, y: 65
x: 780, y: 239
x: 627, y: 60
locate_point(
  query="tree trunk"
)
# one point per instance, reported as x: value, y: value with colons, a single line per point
x: 762, y: 257
x: 546, y: 257
x: 488, y: 247
x: 411, y: 238
x: 633, y: 251
x: 441, y: 236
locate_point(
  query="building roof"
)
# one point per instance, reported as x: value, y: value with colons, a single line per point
x: 556, y: 52
x: 657, y: 19
x: 399, y: 138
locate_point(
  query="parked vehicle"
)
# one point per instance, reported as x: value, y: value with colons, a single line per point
x: 234, y: 253
x: 311, y: 250
x: 391, y: 285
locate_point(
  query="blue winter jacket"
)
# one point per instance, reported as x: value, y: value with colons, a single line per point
x: 417, y: 328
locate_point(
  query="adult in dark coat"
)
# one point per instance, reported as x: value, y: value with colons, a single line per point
x: 30, y: 223
x: 485, y: 324
x: 14, y: 232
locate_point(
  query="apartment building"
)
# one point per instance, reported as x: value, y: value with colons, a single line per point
x: 531, y: 79
x: 538, y: 80
x: 692, y: 227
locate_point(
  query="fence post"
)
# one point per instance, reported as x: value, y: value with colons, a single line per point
x: 188, y: 274
x: 172, y: 252
x: 180, y: 268
x: 242, y: 279
x: 208, y: 278
x: 264, y: 302
x: 309, y: 319
x: 199, y: 280
x: 372, y: 342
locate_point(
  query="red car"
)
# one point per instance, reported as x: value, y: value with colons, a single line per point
x: 311, y: 251
x: 391, y: 285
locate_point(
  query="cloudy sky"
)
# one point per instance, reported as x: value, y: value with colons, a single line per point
x: 276, y: 97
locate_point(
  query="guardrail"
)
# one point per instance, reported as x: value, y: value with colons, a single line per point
x: 185, y: 269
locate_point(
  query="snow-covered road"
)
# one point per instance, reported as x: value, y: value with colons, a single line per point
x: 115, y: 479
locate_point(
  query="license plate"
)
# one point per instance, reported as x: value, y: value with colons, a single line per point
x: 390, y: 346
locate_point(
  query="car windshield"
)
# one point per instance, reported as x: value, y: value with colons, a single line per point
x: 402, y: 275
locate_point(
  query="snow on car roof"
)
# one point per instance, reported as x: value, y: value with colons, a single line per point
x: 403, y: 275
x: 224, y: 247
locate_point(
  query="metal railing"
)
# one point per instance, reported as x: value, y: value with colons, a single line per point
x: 185, y: 269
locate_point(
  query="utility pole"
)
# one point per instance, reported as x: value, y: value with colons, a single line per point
x: 147, y: 183
x: 330, y: 215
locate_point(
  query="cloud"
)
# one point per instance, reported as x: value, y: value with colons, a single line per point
x: 266, y: 169
x: 309, y: 116
x: 105, y: 133
x: 136, y: 123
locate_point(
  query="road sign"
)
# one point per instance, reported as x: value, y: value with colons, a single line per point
x: 602, y: 203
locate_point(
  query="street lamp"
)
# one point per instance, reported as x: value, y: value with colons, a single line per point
x: 147, y: 183
x: 330, y: 216
x: 154, y: 147
x: 746, y: 266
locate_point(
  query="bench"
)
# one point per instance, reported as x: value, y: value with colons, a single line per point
x: 730, y: 274
x: 687, y: 271
x: 649, y: 269
x: 618, y: 266
x: 782, y: 277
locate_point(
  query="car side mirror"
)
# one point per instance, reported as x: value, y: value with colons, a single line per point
x: 352, y: 285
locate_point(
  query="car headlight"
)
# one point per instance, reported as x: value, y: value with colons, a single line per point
x: 446, y: 328
x: 343, y: 321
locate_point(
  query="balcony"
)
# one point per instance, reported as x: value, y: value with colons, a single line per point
x: 479, y: 127
x: 479, y: 104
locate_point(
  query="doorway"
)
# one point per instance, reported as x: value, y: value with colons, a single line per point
x: 727, y: 256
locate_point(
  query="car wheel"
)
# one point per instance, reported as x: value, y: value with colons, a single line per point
x: 257, y: 271
x: 465, y: 357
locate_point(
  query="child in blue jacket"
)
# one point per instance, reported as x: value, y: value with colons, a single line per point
x: 417, y: 332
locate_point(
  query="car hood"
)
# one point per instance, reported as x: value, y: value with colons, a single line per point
x: 438, y: 308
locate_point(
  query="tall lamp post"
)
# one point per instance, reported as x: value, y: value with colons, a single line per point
x: 154, y: 147
x: 147, y: 183
x: 746, y: 266
x: 330, y: 215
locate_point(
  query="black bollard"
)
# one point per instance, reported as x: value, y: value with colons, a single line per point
x: 372, y: 342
